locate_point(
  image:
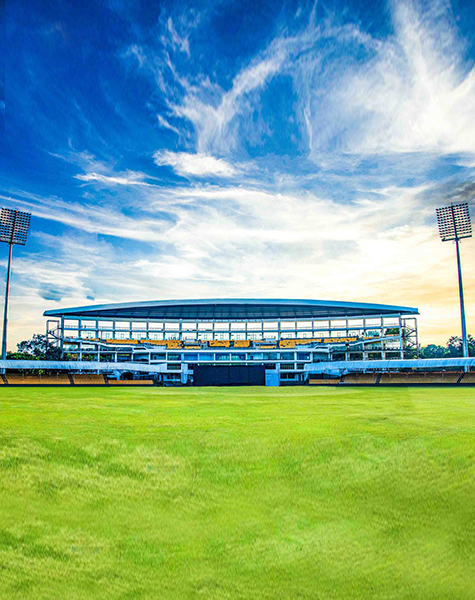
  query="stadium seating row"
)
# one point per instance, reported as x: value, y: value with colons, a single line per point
x: 179, y: 344
x: 396, y: 378
x: 68, y: 379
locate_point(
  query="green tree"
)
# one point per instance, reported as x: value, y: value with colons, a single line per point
x: 433, y: 351
x: 455, y: 346
x: 38, y: 348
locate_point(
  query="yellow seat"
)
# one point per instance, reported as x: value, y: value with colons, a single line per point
x: 468, y: 378
x: 241, y: 343
x: 88, y: 379
x: 324, y: 381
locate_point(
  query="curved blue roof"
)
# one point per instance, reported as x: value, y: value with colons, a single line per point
x: 231, y: 309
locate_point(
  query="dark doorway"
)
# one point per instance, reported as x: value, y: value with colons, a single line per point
x: 227, y: 375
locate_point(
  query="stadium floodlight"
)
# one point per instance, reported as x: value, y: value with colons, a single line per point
x: 14, y: 226
x: 454, y: 225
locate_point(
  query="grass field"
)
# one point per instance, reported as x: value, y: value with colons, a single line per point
x: 237, y: 493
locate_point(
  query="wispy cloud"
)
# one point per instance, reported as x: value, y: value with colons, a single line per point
x: 409, y: 92
x: 129, y: 179
x: 414, y: 93
x: 91, y: 218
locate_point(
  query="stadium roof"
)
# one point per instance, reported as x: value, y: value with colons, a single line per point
x: 231, y: 309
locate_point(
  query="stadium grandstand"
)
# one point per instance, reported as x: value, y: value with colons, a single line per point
x: 228, y: 341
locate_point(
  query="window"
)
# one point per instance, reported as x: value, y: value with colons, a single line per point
x: 139, y: 325
x: 286, y: 356
x: 172, y: 356
x: 222, y: 356
x: 321, y: 334
x: 189, y: 336
x: 206, y: 356
x: 136, y: 335
x: 190, y: 356
x: 287, y: 366
x: 158, y: 356
x: 173, y: 367
x: 300, y: 366
x: 238, y: 357
x: 254, y: 336
x: 221, y: 336
x: 303, y: 356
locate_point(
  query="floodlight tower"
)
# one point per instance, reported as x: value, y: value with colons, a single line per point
x: 454, y: 225
x: 14, y: 226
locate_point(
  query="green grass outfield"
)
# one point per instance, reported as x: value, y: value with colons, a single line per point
x: 237, y: 493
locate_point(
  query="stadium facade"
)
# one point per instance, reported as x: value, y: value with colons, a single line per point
x: 233, y: 340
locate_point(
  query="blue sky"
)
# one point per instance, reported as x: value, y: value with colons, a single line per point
x: 237, y: 149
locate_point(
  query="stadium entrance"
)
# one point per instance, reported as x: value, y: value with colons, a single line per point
x: 229, y: 375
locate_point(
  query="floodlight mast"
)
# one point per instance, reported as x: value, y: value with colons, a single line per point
x: 454, y: 225
x: 14, y: 227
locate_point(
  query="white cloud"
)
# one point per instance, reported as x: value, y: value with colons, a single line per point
x: 89, y: 218
x: 130, y: 179
x: 412, y: 93
x: 166, y: 125
x: 198, y: 165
